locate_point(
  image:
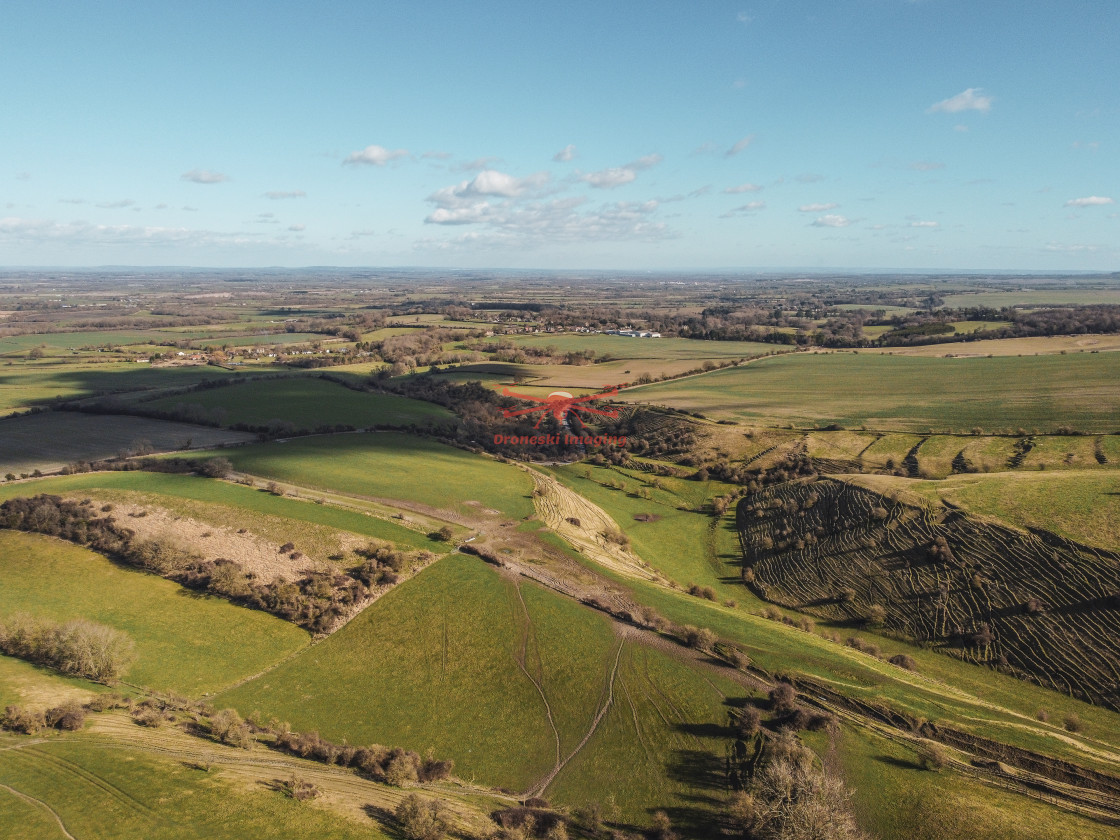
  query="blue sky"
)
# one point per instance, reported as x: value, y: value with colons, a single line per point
x: 951, y: 134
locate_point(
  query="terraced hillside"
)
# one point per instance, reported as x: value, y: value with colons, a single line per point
x: 1030, y: 603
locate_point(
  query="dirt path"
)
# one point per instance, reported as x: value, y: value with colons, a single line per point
x: 543, y: 784
x: 340, y: 790
x: 527, y: 629
x: 41, y: 804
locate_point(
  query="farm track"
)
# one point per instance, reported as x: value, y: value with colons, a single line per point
x: 527, y: 635
x: 543, y: 784
x: 41, y: 804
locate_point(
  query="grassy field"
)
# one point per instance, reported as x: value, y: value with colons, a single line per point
x: 1037, y: 346
x: 313, y: 527
x: 1034, y: 298
x: 31, y: 685
x: 902, y: 393
x: 1083, y: 506
x: 662, y: 741
x: 49, y: 441
x: 185, y: 643
x: 623, y: 347
x: 307, y: 403
x: 28, y: 384
x: 101, y: 791
x: 434, y: 663
x: 391, y: 465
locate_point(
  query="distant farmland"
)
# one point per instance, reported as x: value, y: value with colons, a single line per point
x: 907, y: 394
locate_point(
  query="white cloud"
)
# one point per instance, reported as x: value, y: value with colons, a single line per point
x: 1090, y: 201
x: 116, y: 205
x: 921, y: 224
x: 374, y: 156
x: 278, y: 195
x: 744, y: 209
x: 742, y: 188
x: 489, y: 182
x: 204, y: 176
x: 565, y: 154
x: 927, y: 165
x: 297, y: 228
x: 616, y: 176
x: 972, y: 99
x: 832, y: 220
x: 72, y: 201
x: 743, y: 18
x: 961, y: 128
x: 740, y: 145
x: 58, y: 234
x: 817, y: 208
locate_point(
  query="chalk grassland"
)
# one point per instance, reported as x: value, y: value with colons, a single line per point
x: 97, y: 789
x: 1036, y: 346
x: 29, y: 384
x: 186, y: 643
x: 437, y: 663
x: 305, y: 402
x: 51, y: 440
x: 681, y: 543
x: 906, y: 394
x: 894, y: 797
x: 1081, y: 506
x: 318, y: 530
x: 391, y: 465
x: 945, y: 689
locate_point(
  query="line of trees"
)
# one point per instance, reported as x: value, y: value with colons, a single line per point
x: 80, y: 647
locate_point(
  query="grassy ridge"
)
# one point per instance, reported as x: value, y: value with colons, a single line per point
x: 232, y: 505
x: 307, y: 402
x: 391, y: 465
x: 906, y: 393
x: 102, y: 791
x: 186, y: 643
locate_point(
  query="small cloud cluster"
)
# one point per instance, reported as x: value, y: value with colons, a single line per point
x: 742, y: 188
x: 972, y: 99
x: 374, y: 156
x: 566, y: 154
x: 744, y: 209
x: 817, y: 208
x: 832, y: 220
x: 616, y: 176
x: 1090, y: 201
x: 740, y: 145
x: 279, y: 195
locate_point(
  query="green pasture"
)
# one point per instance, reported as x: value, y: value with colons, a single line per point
x: 1032, y: 298
x: 434, y: 664
x: 895, y: 797
x: 25, y: 684
x: 103, y: 791
x: 905, y: 393
x: 390, y: 465
x: 623, y: 347
x: 185, y: 642
x: 662, y: 745
x: 307, y: 402
x: 28, y: 384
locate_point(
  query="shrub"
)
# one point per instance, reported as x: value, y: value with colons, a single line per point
x: 904, y: 660
x: 69, y: 717
x: 748, y: 722
x: 215, y: 467
x: 223, y: 723
x: 421, y: 819
x: 705, y: 592
x: 876, y: 615
x: 932, y: 756
x: 783, y: 696
x: 1073, y: 723
x: 1043, y: 715
x: 19, y: 719
x: 299, y: 789
x: 79, y: 647
x: 700, y: 638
